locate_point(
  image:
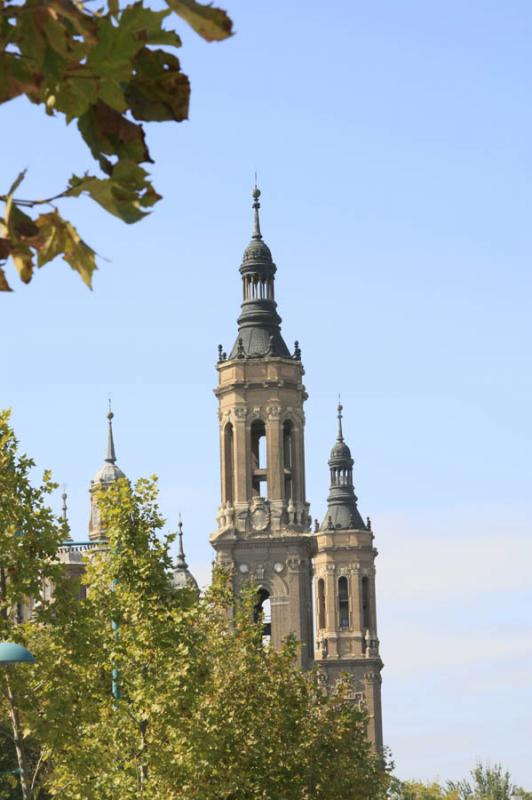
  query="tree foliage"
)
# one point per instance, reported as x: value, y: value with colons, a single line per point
x: 200, y: 709
x: 486, y: 782
x: 30, y: 536
x: 108, y: 70
x: 29, y: 532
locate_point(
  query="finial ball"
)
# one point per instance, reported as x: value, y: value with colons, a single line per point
x: 256, y: 193
x: 110, y: 416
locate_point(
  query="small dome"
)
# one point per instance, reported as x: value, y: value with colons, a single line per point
x: 340, y: 452
x: 182, y: 578
x: 257, y: 250
x: 108, y: 473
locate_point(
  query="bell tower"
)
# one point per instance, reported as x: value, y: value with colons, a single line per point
x: 263, y: 520
x: 345, y: 597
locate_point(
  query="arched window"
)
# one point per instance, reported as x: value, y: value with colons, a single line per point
x: 343, y: 602
x: 288, y: 460
x: 229, y: 466
x: 366, y: 615
x: 321, y: 603
x: 262, y: 610
x: 259, y: 458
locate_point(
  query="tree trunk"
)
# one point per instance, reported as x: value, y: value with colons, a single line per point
x: 143, y: 767
x: 18, y: 739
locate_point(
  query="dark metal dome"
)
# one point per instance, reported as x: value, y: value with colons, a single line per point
x: 342, y: 510
x: 340, y: 453
x: 259, y: 331
x: 257, y: 251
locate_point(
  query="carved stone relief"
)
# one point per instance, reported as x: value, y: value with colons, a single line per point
x: 260, y: 514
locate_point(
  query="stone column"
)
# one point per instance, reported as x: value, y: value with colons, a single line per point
x: 372, y: 601
x: 241, y: 456
x: 355, y: 587
x: 372, y: 690
x: 274, y: 438
x: 330, y: 610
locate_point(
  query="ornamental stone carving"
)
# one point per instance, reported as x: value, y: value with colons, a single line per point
x: 295, y: 564
x: 274, y: 412
x: 260, y: 515
x: 240, y: 412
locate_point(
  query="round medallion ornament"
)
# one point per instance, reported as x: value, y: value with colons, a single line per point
x: 243, y: 568
x: 278, y: 567
x: 260, y: 518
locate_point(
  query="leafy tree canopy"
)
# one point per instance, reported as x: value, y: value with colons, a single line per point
x: 107, y: 69
x: 486, y: 782
x: 201, y: 710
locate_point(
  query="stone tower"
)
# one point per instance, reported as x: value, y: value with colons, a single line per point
x: 106, y: 475
x: 263, y: 521
x: 345, y: 599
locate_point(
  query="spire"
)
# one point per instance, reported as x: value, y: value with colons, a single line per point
x: 64, y: 515
x: 256, y: 205
x: 342, y: 511
x: 111, y: 455
x: 339, y: 408
x: 108, y: 473
x: 182, y: 576
x: 181, y: 561
x: 259, y: 321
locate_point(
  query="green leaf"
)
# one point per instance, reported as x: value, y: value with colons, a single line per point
x: 58, y: 236
x: 146, y: 25
x: 124, y: 194
x: 111, y: 57
x: 159, y: 91
x: 211, y: 23
x: 76, y: 95
x: 17, y: 76
x: 108, y: 132
x: 112, y: 94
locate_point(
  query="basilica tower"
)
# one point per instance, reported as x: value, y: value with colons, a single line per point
x: 345, y: 597
x: 263, y: 521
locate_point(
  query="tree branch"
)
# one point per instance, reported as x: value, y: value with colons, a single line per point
x: 47, y: 201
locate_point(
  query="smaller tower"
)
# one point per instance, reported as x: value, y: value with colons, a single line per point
x: 106, y: 475
x: 344, y: 590
x: 182, y: 576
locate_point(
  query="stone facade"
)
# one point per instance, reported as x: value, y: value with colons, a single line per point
x: 263, y: 521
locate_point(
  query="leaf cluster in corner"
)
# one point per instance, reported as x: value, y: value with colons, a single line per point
x: 106, y: 71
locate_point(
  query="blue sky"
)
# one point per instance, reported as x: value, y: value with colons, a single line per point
x: 394, y: 150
